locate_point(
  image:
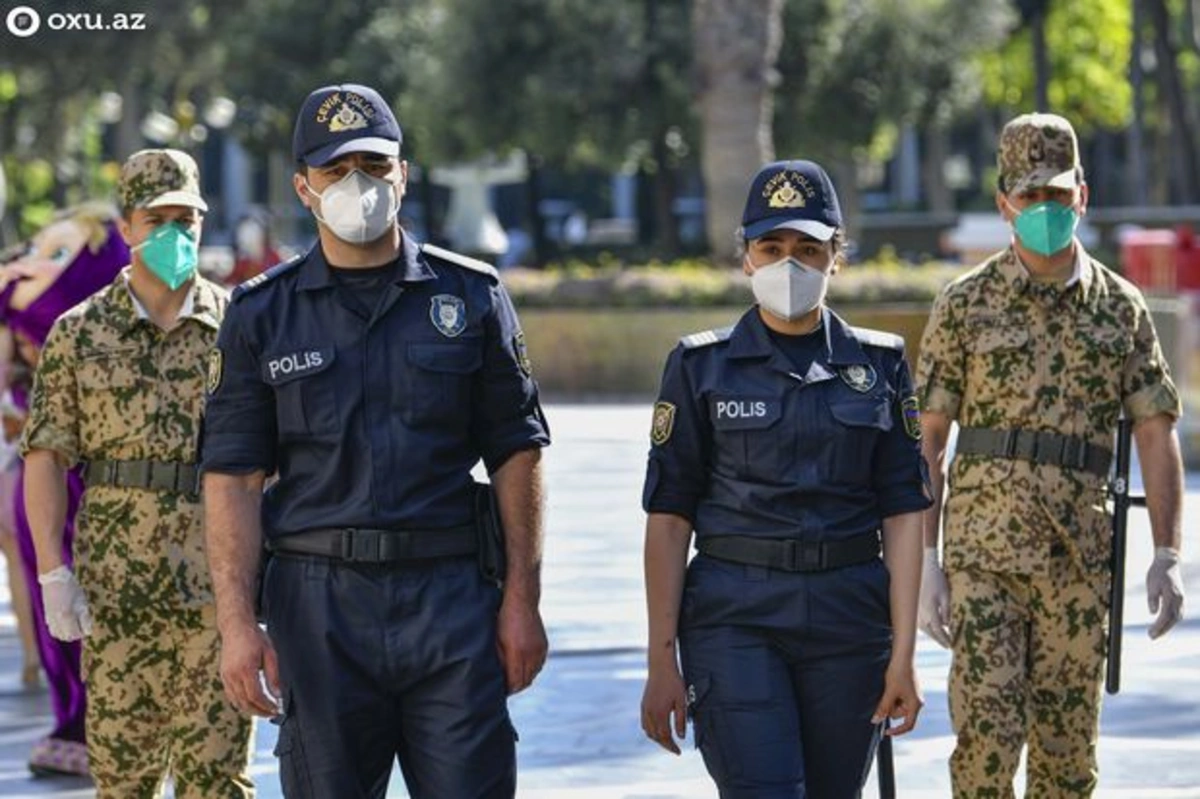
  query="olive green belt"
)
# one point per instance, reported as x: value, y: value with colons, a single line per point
x: 172, y: 477
x: 1056, y: 449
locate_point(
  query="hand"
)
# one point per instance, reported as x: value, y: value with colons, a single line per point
x: 67, y: 613
x: 247, y: 652
x: 521, y: 641
x: 1164, y: 590
x: 664, y: 699
x: 901, y: 698
x: 933, y: 606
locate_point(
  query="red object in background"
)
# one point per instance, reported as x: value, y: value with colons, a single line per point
x: 1162, y: 261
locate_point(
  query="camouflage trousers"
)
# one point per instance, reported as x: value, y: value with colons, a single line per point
x: 1027, y: 668
x: 156, y: 706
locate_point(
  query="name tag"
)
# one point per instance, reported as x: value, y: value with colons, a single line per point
x: 743, y: 413
x: 279, y: 369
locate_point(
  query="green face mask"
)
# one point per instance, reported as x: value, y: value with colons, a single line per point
x: 171, y: 253
x: 1046, y: 227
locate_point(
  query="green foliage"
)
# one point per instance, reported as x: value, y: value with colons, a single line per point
x: 696, y: 284
x: 1088, y: 48
x: 855, y: 69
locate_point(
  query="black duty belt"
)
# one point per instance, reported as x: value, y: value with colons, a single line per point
x: 790, y: 554
x: 1056, y: 449
x: 172, y: 477
x: 360, y: 545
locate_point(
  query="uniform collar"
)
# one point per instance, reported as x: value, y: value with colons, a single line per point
x: 1016, y: 274
x: 315, y: 272
x: 751, y: 339
x: 125, y: 310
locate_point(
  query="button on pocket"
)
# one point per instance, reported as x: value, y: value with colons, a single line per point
x: 439, y: 384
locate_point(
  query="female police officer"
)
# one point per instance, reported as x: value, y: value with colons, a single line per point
x: 788, y: 443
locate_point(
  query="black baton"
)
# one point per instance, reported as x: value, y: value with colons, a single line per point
x: 885, y: 763
x: 1120, y: 519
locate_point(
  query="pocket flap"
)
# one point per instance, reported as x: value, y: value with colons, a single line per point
x: 866, y: 412
x: 1001, y: 338
x: 303, y: 362
x: 459, y: 358
x: 744, y: 413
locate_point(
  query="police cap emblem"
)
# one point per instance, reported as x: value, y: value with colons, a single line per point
x: 663, y: 424
x: 448, y: 314
x: 860, y: 377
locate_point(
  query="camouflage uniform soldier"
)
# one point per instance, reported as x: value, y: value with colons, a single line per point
x: 120, y: 386
x: 1035, y: 354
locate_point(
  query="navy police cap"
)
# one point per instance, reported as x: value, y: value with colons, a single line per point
x: 796, y: 195
x: 349, y: 118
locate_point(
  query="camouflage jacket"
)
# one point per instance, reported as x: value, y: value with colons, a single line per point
x: 112, y: 385
x: 1001, y: 351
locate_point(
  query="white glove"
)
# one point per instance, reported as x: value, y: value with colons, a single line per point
x: 933, y: 607
x: 1164, y: 590
x: 67, y: 613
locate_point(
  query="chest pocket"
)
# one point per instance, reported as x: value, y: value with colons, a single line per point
x: 438, y: 388
x: 114, y: 407
x: 748, y: 439
x: 305, y: 391
x: 1002, y: 363
x: 858, y: 422
x: 1099, y: 362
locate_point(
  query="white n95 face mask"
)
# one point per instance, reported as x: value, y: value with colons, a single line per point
x: 358, y: 208
x: 789, y: 289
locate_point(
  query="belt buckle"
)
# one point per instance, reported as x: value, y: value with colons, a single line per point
x: 1009, y: 444
x: 801, y: 558
x: 360, y: 546
x: 1074, y: 453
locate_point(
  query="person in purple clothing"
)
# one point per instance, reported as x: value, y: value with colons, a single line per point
x: 78, y: 253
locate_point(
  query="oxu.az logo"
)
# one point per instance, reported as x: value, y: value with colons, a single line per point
x: 25, y: 21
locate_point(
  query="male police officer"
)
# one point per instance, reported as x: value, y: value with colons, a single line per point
x: 120, y: 386
x: 371, y: 374
x: 1035, y: 354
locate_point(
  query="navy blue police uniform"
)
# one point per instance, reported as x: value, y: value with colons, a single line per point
x: 786, y: 456
x: 372, y: 419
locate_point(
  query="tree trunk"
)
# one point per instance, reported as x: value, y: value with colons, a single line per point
x: 736, y: 44
x: 938, y: 196
x: 1183, y: 131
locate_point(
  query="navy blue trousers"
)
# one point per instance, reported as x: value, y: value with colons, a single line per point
x: 389, y: 661
x: 784, y: 672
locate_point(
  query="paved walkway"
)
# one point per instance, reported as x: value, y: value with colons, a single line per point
x: 579, y: 725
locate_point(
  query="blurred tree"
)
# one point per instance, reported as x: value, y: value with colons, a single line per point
x: 1181, y: 110
x: 736, y: 44
x: 1087, y: 48
x: 574, y: 83
x: 856, y: 71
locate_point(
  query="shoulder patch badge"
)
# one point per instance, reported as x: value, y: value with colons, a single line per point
x: 448, y: 314
x: 522, y: 354
x: 860, y: 377
x: 216, y: 369
x: 664, y: 423
x: 910, y: 409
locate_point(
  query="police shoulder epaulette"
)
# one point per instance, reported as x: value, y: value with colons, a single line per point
x: 266, y: 276
x: 461, y: 260
x: 878, y: 338
x: 706, y: 338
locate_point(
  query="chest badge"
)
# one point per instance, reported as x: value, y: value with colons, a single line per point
x: 860, y: 377
x: 448, y: 314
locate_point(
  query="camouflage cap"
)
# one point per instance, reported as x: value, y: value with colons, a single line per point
x: 1038, y: 150
x: 154, y: 178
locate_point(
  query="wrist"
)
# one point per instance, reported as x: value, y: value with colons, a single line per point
x: 1168, y: 554
x: 57, y: 574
